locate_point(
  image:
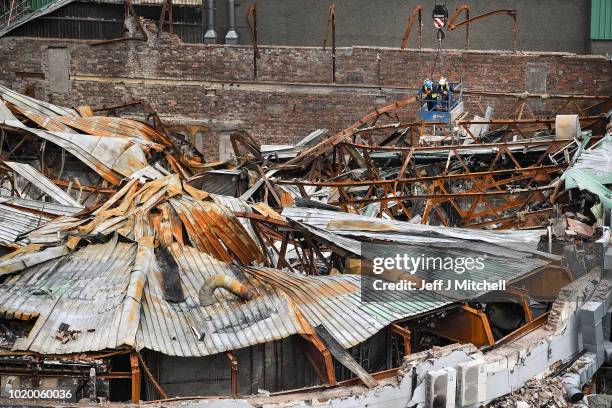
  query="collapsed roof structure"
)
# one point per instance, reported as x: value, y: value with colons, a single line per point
x: 128, y: 257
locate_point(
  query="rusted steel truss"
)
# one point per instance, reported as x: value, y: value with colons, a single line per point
x: 468, y: 21
x: 331, y: 23
x: 446, y: 174
x: 416, y: 13
x: 461, y: 190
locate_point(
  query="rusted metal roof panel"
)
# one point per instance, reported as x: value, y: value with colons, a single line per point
x: 35, y: 105
x: 53, y: 232
x: 43, y: 183
x: 111, y: 157
x: 236, y: 205
x: 86, y: 290
x: 90, y: 291
x: 405, y: 232
x: 14, y: 222
x: 336, y: 303
x: 40, y: 206
x: 228, y: 324
x: 506, y: 255
x: 113, y: 127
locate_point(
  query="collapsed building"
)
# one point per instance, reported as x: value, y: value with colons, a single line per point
x: 133, y: 269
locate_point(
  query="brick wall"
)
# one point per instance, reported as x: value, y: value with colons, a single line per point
x: 293, y: 94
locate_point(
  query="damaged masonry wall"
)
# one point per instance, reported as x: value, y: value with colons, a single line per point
x: 210, y: 90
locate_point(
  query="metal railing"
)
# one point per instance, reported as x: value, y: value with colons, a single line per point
x: 13, y: 12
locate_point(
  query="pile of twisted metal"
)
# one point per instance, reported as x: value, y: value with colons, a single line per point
x: 127, y: 258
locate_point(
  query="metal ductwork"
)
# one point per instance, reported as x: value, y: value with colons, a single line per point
x: 228, y: 283
x: 573, y: 387
x: 210, y: 37
x: 232, y: 36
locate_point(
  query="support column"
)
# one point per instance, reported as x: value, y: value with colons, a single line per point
x: 135, y: 378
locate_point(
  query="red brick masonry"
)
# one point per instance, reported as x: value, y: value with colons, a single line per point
x: 293, y: 94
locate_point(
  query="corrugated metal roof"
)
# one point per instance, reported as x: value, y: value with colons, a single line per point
x: 44, y: 207
x: 90, y: 290
x: 228, y: 324
x: 336, y: 303
x: 112, y: 157
x: 237, y: 205
x: 53, y: 232
x: 43, y: 183
x: 399, y: 231
x: 35, y: 105
x: 113, y: 293
x: 351, y: 245
x: 46, y: 9
x: 86, y: 290
x: 15, y: 222
x: 507, y: 255
x: 290, y: 151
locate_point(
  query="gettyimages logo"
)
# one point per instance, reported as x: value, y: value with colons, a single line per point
x: 412, y: 265
x: 426, y: 273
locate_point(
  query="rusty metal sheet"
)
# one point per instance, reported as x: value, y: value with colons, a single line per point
x: 43, y: 183
x: 35, y: 105
x: 228, y: 324
x: 45, y: 122
x: 40, y: 207
x: 15, y: 222
x: 86, y: 290
x: 335, y: 302
x: 111, y: 157
x: 113, y: 127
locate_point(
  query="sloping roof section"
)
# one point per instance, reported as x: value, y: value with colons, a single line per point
x: 86, y: 290
x: 37, y: 106
x: 43, y: 183
x: 405, y: 232
x: 167, y: 208
x: 24, y: 18
x: 115, y: 148
x: 113, y: 294
x: 335, y: 302
x: 15, y: 221
x: 507, y: 255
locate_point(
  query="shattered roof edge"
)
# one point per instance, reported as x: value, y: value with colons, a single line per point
x: 38, y: 13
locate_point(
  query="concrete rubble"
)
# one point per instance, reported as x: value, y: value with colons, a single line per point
x: 536, y: 393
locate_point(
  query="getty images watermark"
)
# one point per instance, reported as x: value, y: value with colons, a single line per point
x: 427, y: 273
x: 422, y: 263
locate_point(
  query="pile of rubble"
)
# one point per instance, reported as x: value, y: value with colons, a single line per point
x: 118, y: 239
x: 542, y: 393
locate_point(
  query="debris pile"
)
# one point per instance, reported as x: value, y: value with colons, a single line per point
x: 509, y: 176
x: 543, y: 393
x: 119, y: 239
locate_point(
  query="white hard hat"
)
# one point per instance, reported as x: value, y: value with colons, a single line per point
x: 442, y: 81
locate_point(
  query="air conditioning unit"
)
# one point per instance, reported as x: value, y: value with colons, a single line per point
x: 441, y: 385
x: 471, y: 382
